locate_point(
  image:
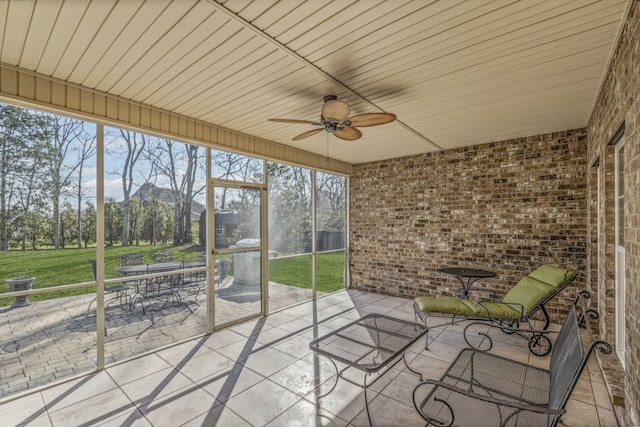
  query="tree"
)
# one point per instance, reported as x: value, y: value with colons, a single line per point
x: 330, y: 196
x: 290, y: 219
x: 156, y: 220
x: 330, y: 211
x: 180, y: 164
x: 20, y: 131
x: 234, y: 167
x: 135, y: 212
x: 67, y: 225
x: 136, y: 144
x: 113, y: 220
x: 246, y: 206
x: 87, y: 150
x: 89, y: 224
x: 29, y: 193
x: 62, y: 134
x: 38, y: 225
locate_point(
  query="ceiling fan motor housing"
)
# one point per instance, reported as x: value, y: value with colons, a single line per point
x: 334, y: 125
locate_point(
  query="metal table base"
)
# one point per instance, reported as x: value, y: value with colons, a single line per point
x: 373, y: 344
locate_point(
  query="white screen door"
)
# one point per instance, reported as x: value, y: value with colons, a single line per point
x: 238, y: 252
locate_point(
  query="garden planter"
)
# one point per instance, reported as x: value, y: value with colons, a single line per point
x: 20, y: 284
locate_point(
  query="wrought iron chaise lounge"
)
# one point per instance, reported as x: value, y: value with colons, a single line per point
x: 524, y: 300
x: 481, y: 388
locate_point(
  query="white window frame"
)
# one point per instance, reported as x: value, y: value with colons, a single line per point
x: 620, y: 284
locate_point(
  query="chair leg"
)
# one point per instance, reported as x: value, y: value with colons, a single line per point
x: 547, y: 320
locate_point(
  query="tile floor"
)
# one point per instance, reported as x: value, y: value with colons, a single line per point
x: 262, y: 373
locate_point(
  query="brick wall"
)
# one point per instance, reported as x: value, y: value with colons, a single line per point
x: 617, y: 104
x: 506, y: 206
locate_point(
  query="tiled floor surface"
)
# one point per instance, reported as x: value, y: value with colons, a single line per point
x: 262, y: 373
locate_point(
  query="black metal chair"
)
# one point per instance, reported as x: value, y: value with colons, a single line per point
x: 480, y: 388
x: 131, y: 259
x: 162, y: 256
x: 120, y: 292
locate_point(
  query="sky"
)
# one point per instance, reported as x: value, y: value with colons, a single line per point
x: 115, y: 155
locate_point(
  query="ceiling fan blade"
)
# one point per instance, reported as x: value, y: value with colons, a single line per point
x: 348, y: 133
x: 307, y: 134
x: 338, y: 110
x: 372, y: 119
x: 300, y: 122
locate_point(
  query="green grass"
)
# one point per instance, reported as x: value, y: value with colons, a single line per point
x: 66, y: 266
x: 53, y: 268
x: 296, y: 271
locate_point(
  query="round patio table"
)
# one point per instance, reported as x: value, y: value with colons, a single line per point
x: 467, y: 277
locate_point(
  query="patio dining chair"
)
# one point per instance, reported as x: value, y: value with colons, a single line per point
x: 162, y: 256
x: 119, y: 292
x: 131, y: 259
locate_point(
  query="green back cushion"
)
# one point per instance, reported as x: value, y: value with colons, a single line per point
x: 553, y: 276
x: 537, y: 286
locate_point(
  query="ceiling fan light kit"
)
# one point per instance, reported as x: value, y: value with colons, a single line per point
x: 334, y: 109
x: 334, y: 118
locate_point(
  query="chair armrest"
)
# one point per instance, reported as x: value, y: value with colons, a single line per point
x: 472, y: 395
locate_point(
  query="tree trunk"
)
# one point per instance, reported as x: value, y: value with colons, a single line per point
x: 79, y: 215
x: 3, y: 218
x: 138, y: 221
x: 125, y: 225
x: 56, y: 219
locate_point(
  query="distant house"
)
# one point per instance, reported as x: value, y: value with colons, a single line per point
x: 148, y: 191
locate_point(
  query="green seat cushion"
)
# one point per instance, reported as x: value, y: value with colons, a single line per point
x: 498, y: 310
x: 455, y: 306
x: 446, y: 305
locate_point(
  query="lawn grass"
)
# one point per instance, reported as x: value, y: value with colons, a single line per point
x: 67, y: 266
x: 53, y: 268
x: 296, y: 271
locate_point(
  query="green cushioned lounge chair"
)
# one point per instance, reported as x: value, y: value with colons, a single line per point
x: 524, y: 300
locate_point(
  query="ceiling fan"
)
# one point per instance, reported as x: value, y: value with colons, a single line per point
x: 334, y: 118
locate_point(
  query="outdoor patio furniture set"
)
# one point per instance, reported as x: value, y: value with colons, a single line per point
x: 165, y: 280
x: 478, y: 388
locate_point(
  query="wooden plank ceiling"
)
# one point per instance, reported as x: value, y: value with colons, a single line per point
x: 455, y: 72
